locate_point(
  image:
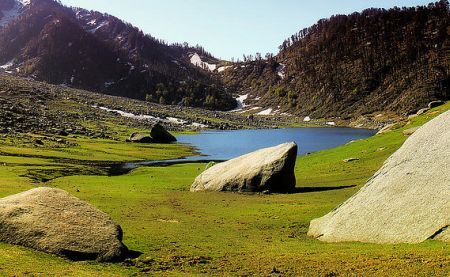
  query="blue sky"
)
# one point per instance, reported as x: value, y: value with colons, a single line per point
x: 230, y: 28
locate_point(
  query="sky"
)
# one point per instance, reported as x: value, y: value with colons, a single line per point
x: 230, y: 28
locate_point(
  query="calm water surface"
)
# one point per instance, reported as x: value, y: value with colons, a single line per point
x: 224, y: 145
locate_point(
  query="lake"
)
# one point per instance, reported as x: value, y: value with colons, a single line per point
x: 225, y: 145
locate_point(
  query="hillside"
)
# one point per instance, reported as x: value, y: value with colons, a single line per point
x: 394, y: 60
x: 95, y: 51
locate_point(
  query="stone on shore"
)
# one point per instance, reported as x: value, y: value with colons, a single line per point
x: 160, y: 135
x: 140, y: 138
x: 270, y: 169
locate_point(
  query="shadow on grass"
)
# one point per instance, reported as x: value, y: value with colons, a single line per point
x: 319, y: 189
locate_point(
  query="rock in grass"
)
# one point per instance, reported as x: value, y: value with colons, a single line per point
x: 53, y: 221
x: 410, y: 131
x: 161, y: 135
x: 269, y: 169
x: 408, y: 199
x: 349, y: 160
x: 140, y: 138
x: 435, y: 104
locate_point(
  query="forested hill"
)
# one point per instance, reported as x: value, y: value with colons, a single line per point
x: 47, y: 41
x: 348, y: 65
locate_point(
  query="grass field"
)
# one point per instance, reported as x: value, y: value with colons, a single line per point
x: 184, y: 233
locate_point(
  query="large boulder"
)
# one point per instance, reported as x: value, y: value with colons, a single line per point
x: 408, y: 199
x: 161, y: 135
x: 52, y: 221
x: 269, y: 169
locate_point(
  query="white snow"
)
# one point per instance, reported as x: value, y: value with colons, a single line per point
x: 7, y: 65
x: 99, y: 26
x: 331, y: 123
x: 240, y: 102
x: 280, y: 71
x: 307, y: 119
x: 223, y: 68
x: 266, y: 112
x: 172, y: 120
x: 25, y: 2
x: 197, y: 61
x: 176, y: 120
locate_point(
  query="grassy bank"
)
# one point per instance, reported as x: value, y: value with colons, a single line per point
x: 183, y: 233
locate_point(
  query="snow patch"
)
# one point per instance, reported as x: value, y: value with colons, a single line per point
x: 281, y: 70
x: 7, y: 65
x: 331, y: 123
x: 197, y: 61
x: 307, y: 119
x: 223, y: 68
x: 240, y: 102
x: 24, y: 2
x: 266, y: 112
x: 171, y: 120
x: 101, y: 25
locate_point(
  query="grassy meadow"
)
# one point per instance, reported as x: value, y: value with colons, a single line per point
x: 182, y: 233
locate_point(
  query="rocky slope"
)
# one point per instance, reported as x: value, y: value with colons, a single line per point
x: 96, y: 51
x: 394, y: 60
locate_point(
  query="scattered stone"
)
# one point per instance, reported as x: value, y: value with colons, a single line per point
x: 307, y: 119
x: 406, y: 201
x: 350, y: 160
x: 63, y: 133
x: 53, y: 221
x: 435, y: 104
x: 422, y: 111
x: 410, y: 131
x: 269, y: 169
x: 160, y: 135
x: 386, y: 128
x: 140, y: 138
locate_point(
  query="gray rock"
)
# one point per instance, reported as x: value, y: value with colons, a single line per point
x: 422, y: 111
x: 406, y: 201
x: 140, y: 138
x: 160, y: 135
x: 410, y: 131
x: 435, y: 104
x: 269, y: 169
x: 52, y: 221
x: 349, y: 160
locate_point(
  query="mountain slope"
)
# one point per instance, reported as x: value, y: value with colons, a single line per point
x: 96, y: 51
x: 378, y: 60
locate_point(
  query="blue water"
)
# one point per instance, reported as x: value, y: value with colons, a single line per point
x: 224, y: 145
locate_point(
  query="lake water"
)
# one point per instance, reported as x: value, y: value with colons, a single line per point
x: 224, y: 145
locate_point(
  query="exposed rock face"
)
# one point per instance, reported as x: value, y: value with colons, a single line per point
x: 161, y: 135
x: 266, y: 169
x: 53, y: 221
x: 408, y: 199
x: 139, y: 138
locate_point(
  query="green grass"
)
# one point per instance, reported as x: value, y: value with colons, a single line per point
x: 185, y: 233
